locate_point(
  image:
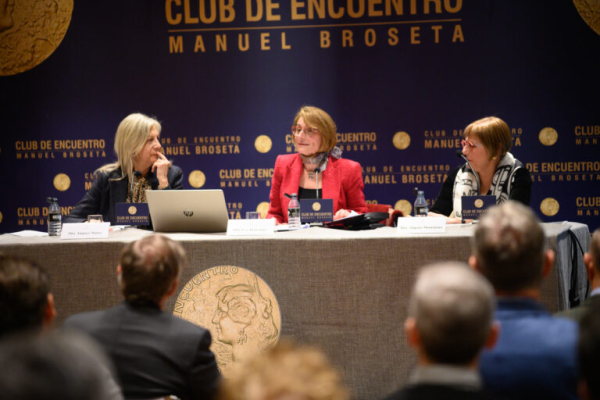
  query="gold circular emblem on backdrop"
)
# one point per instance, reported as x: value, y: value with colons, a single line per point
x: 403, y: 206
x: 132, y: 210
x: 548, y: 136
x: 237, y: 307
x: 589, y: 10
x: 263, y: 209
x: 401, y: 140
x: 316, y: 206
x: 549, y: 207
x: 263, y: 144
x: 478, y: 203
x: 62, y: 182
x: 197, y: 179
x: 0, y: 217
x: 30, y: 31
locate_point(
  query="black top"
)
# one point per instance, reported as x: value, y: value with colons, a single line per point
x: 306, y: 194
x: 520, y: 191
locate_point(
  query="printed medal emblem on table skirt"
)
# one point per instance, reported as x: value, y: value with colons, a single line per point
x: 238, y: 308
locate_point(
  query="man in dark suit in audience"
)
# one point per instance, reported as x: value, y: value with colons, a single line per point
x: 535, y: 357
x: 26, y: 303
x: 592, y: 266
x: 450, y: 321
x: 155, y: 353
x: 589, y: 352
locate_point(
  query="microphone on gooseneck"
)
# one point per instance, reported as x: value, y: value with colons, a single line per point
x: 461, y: 155
x: 317, y: 171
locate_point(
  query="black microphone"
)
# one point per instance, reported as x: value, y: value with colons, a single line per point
x: 317, y: 170
x: 461, y: 155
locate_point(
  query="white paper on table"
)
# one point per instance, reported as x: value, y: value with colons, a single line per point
x: 29, y: 233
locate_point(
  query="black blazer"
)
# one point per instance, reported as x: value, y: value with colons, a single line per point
x: 108, y: 189
x: 155, y: 353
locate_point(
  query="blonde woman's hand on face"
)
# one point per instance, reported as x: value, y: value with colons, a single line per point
x: 161, y: 166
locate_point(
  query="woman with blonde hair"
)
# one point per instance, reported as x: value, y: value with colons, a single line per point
x: 315, y: 135
x: 140, y: 166
x: 496, y: 171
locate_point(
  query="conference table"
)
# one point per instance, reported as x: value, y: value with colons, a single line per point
x: 344, y: 291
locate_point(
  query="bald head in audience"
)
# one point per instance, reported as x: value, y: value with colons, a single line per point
x: 451, y: 315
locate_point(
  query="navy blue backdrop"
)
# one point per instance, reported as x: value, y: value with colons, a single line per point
x: 400, y: 78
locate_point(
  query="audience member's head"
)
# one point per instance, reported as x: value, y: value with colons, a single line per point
x: 285, y: 372
x: 149, y: 269
x: 589, y: 353
x: 509, y: 248
x: 592, y: 260
x: 64, y: 366
x: 25, y: 299
x: 450, y: 315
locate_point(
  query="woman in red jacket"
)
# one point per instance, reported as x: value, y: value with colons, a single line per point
x: 315, y: 136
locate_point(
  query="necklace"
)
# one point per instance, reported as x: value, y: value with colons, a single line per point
x: 311, y: 174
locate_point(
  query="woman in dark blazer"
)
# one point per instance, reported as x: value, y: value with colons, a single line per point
x: 315, y: 136
x: 140, y: 166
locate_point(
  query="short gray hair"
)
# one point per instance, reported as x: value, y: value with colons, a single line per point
x: 453, y: 307
x: 509, y: 244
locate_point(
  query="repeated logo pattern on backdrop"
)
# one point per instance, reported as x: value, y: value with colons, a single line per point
x: 401, y: 78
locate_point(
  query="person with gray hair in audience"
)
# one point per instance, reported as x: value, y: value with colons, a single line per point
x: 535, y: 357
x: 450, y: 321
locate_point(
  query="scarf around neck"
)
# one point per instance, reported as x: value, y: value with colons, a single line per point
x: 321, y: 159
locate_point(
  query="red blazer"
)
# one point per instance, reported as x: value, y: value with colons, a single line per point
x: 341, y: 181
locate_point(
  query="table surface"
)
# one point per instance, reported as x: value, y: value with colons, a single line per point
x: 126, y: 235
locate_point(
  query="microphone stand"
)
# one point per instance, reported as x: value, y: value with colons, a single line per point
x: 317, y: 171
x: 461, y: 155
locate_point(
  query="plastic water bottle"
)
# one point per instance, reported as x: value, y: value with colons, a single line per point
x: 294, y: 212
x: 421, y: 209
x: 54, y: 217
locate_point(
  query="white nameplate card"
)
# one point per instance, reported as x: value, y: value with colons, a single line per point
x: 85, y: 231
x: 250, y: 227
x: 421, y: 225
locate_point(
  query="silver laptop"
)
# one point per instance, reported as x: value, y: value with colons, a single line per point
x: 188, y: 210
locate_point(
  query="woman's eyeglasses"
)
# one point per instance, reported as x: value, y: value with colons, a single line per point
x: 308, y: 132
x: 468, y: 143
